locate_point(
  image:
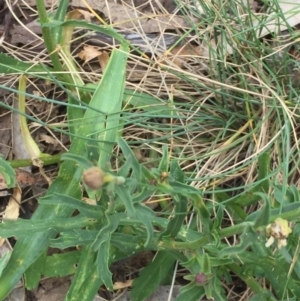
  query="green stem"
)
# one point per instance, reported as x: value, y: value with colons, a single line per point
x: 48, y: 40
x: 227, y: 232
x: 47, y: 160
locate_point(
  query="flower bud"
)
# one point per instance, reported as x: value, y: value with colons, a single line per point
x: 94, y: 178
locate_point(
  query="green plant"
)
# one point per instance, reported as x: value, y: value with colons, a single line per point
x: 215, y: 230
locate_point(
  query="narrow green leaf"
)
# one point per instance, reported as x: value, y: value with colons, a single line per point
x: 129, y: 155
x: 34, y: 272
x: 108, y: 30
x: 206, y: 266
x: 130, y: 244
x: 3, y: 261
x: 262, y: 296
x: 59, y: 16
x: 80, y: 160
x: 9, y: 64
x: 144, y: 194
x: 124, y: 242
x: 176, y: 172
x: 164, y: 162
x: 180, y: 188
x: 125, y: 168
x: 126, y: 199
x: 60, y: 265
x: 109, y: 226
x: 102, y: 245
x: 145, y: 215
x: 202, y: 211
x: 191, y: 292
x: 141, y: 101
x: 247, y: 238
x: 180, y: 202
x: 86, y: 281
x: 74, y: 238
x: 193, y: 264
x: 209, y: 290
x: 8, y: 173
x: 219, y: 218
x: 264, y: 171
x: 264, y: 215
x: 102, y: 263
x: 151, y: 276
x: 179, y: 215
x: 21, y: 228
x: 91, y: 211
x: 147, y: 103
x: 217, y: 289
x: 112, y: 83
x: 295, y: 193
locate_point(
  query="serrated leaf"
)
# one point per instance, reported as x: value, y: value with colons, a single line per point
x: 109, y: 226
x: 151, y: 276
x: 103, y: 263
x: 102, y: 245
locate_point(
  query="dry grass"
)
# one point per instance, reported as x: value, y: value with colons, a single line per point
x: 227, y: 109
